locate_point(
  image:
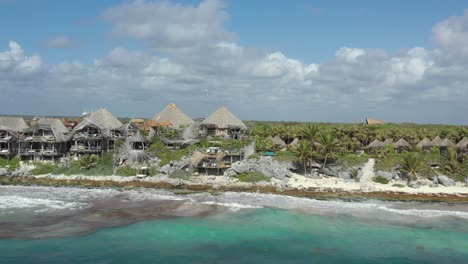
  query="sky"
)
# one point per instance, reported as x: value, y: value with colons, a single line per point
x: 318, y: 61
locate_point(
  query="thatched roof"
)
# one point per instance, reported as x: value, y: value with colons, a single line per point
x: 436, y: 142
x: 153, y: 123
x: 371, y: 121
x: 447, y: 143
x: 137, y: 120
x: 425, y: 143
x: 463, y: 144
x: 55, y: 123
x: 174, y: 115
x: 14, y: 124
x: 294, y: 143
x: 401, y: 143
x: 102, y: 119
x: 198, y: 156
x: 223, y: 118
x: 59, y: 136
x: 375, y: 144
x: 277, y: 141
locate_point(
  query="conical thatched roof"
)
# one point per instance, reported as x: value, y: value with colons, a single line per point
x: 425, y: 143
x: 446, y: 143
x: 15, y: 124
x: 223, y: 118
x: 463, y: 144
x: 105, y: 119
x: 371, y: 121
x: 55, y: 123
x: 174, y: 115
x: 401, y: 143
x: 102, y: 119
x: 277, y: 141
x: 375, y: 144
x: 294, y: 143
x: 436, y: 142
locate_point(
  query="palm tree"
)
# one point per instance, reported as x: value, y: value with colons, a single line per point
x: 328, y: 145
x: 412, y: 165
x: 309, y: 132
x: 304, y: 153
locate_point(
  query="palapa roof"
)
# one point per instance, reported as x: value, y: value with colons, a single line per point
x: 425, y: 143
x: 446, y: 143
x: 375, y: 144
x: 59, y: 136
x: 153, y: 123
x: 223, y: 118
x: 171, y: 113
x: 102, y: 119
x: 11, y: 123
x: 295, y: 142
x: 137, y: 120
x: 277, y: 141
x: 463, y: 144
x: 401, y: 143
x: 198, y: 156
x: 371, y: 121
x: 55, y: 123
x: 437, y: 141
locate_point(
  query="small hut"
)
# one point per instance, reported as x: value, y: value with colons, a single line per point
x: 462, y: 145
x: 47, y: 140
x: 376, y: 144
x: 425, y: 143
x: 401, y: 144
x: 436, y: 142
x: 446, y: 143
x: 223, y: 123
x: 173, y: 116
x: 10, y: 129
x: 294, y: 143
x: 277, y: 142
x: 388, y: 142
x: 214, y: 160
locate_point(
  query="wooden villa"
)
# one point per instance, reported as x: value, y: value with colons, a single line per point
x: 214, y: 160
x: 95, y: 134
x: 10, y: 129
x: 223, y: 123
x: 46, y: 140
x: 173, y: 117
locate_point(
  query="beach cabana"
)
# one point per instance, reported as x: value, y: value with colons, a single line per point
x: 46, y: 140
x: 10, y: 129
x: 436, y: 142
x: 401, y: 144
x: 277, y: 141
x: 223, y: 123
x: 294, y: 143
x: 388, y: 142
x: 462, y: 145
x: 376, y: 144
x: 425, y: 143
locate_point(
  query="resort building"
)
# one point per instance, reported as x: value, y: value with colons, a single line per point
x: 214, y: 160
x: 46, y: 140
x: 10, y: 128
x: 96, y: 133
x: 223, y: 123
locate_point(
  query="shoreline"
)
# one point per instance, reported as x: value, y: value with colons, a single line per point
x: 297, y: 186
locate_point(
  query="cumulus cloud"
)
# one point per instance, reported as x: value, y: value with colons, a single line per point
x: 416, y: 84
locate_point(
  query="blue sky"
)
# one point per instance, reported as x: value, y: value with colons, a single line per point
x: 379, y: 33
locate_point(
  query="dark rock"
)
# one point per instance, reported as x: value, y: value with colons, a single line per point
x: 265, y: 165
x: 386, y: 174
x: 415, y: 184
x: 344, y: 175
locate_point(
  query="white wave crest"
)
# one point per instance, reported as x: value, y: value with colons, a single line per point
x: 37, y: 204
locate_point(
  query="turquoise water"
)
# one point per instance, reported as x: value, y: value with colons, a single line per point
x: 262, y: 235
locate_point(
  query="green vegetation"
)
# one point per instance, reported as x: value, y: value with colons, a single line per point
x: 43, y: 168
x: 181, y: 174
x: 159, y: 149
x: 254, y: 176
x: 380, y: 179
x: 126, y: 171
x: 304, y: 153
x: 398, y: 185
x: 352, y: 160
x: 11, y: 165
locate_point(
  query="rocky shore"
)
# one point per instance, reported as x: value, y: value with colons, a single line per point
x: 297, y: 185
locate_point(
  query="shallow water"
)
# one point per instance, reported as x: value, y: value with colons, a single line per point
x: 139, y: 226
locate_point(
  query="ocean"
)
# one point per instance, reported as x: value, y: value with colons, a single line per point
x: 72, y: 225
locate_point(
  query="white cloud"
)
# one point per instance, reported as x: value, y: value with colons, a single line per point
x: 452, y: 35
x: 411, y: 85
